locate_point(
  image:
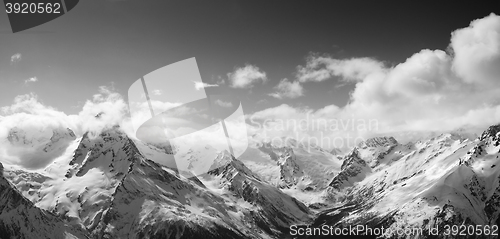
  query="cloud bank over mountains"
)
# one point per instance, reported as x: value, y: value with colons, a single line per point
x: 39, y: 121
x: 433, y: 90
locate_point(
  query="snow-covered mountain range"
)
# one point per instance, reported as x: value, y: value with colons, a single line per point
x: 437, y: 183
x: 108, y: 185
x: 103, y: 185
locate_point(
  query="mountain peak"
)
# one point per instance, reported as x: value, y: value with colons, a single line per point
x: 353, y: 169
x: 21, y: 218
x: 336, y: 151
x: 223, y: 158
x: 378, y: 142
x: 492, y: 131
x: 110, y: 150
x: 354, y: 153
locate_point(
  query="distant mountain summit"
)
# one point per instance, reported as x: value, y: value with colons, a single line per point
x: 20, y: 218
x: 36, y: 148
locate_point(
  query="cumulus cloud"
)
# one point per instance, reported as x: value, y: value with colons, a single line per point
x: 477, y: 51
x: 31, y: 80
x: 157, y: 92
x: 287, y: 89
x: 246, y: 76
x: 15, y: 58
x: 432, y: 91
x: 201, y: 85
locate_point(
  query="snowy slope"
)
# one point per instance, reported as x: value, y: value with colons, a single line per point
x: 110, y: 185
x: 272, y: 209
x: 446, y: 180
x: 151, y: 202
x: 300, y: 170
x: 252, y: 204
x: 19, y: 218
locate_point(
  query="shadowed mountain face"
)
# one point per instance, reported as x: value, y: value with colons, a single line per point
x: 274, y: 208
x: 106, y: 186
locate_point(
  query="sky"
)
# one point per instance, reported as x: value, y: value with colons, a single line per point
x: 410, y: 66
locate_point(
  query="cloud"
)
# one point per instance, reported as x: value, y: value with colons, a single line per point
x: 435, y: 90
x: 15, y: 58
x: 224, y: 103
x: 287, y: 89
x: 201, y: 85
x: 29, y: 104
x: 37, y: 122
x: 320, y: 68
x: 108, y: 103
x: 246, y: 76
x: 28, y: 114
x: 431, y: 91
x: 31, y: 80
x: 317, y: 127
